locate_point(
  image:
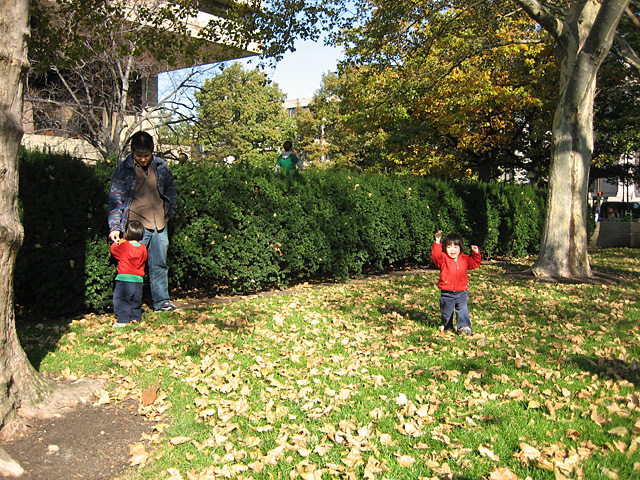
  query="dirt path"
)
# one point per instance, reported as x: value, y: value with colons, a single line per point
x: 88, y: 443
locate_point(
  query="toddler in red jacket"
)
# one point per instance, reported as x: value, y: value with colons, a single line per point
x: 131, y: 256
x: 454, y: 284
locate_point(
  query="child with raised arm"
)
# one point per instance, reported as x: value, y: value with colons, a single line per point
x: 131, y: 256
x: 454, y: 283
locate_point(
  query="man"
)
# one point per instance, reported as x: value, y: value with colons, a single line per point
x: 142, y: 189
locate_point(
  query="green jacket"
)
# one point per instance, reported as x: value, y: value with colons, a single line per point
x: 288, y: 161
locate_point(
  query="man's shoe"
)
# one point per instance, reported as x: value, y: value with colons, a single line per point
x: 120, y: 325
x: 165, y: 307
x: 465, y: 330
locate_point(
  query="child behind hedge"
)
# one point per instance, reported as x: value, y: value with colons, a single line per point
x: 454, y: 283
x: 131, y: 256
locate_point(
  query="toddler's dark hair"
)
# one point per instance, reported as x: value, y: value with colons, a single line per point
x: 133, y: 230
x: 287, y: 145
x: 453, y: 239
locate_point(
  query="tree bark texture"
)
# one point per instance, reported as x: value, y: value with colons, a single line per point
x: 584, y: 38
x: 20, y: 384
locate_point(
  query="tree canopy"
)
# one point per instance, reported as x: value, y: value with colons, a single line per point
x: 240, y: 115
x: 457, y: 91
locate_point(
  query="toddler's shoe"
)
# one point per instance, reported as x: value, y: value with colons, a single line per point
x: 120, y: 325
x: 465, y: 330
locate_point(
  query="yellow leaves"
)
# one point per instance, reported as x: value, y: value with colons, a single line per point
x: 374, y: 467
x: 103, y: 397
x: 353, y: 458
x: 612, y: 474
x: 174, y: 474
x: 487, y: 451
x: 149, y: 395
x: 620, y: 431
x: 411, y: 429
x: 405, y: 461
x: 387, y: 440
x: 419, y: 416
x: 503, y: 473
x: 556, y: 457
x: 527, y: 453
x: 179, y: 440
x: 348, y: 398
x: 596, y: 417
x: 308, y: 471
x: 139, y: 455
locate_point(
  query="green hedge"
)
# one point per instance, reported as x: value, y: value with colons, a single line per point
x: 243, y: 230
x: 63, y: 265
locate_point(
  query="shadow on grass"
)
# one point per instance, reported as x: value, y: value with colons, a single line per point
x: 429, y: 317
x: 515, y: 270
x: 38, y: 339
x: 609, y: 368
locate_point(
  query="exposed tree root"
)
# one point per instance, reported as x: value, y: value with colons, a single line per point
x: 8, y: 466
x: 63, y: 398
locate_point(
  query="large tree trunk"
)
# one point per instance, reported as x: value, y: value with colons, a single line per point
x: 20, y: 383
x: 584, y: 38
x: 563, y: 251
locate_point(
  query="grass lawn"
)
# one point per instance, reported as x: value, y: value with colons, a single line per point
x: 354, y: 381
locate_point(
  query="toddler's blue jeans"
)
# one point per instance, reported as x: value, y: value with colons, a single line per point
x: 457, y: 302
x: 127, y: 301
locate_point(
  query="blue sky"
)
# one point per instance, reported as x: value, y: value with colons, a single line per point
x: 299, y: 73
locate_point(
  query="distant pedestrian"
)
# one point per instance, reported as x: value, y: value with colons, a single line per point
x: 288, y: 160
x: 454, y: 283
x: 131, y: 256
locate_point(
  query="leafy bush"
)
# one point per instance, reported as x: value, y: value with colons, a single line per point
x: 244, y: 229
x: 63, y: 211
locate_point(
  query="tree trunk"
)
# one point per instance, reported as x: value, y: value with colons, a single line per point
x: 563, y: 251
x: 20, y: 384
x: 583, y: 43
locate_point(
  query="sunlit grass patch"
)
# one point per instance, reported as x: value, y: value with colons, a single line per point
x: 354, y: 380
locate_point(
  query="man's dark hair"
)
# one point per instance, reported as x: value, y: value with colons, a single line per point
x: 141, y: 142
x: 287, y: 145
x: 453, y: 239
x: 133, y: 230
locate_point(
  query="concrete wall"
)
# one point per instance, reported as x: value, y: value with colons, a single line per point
x: 616, y: 234
x: 79, y: 148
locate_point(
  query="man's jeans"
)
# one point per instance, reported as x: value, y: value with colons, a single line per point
x: 454, y: 301
x: 157, y: 243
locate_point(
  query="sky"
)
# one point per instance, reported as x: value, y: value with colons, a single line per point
x: 299, y: 73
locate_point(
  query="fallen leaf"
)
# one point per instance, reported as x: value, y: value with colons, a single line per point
x: 149, y: 395
x: 406, y: 461
x: 139, y: 455
x: 612, y: 474
x: 620, y: 431
x: 488, y: 452
x: 174, y: 474
x: 179, y: 440
x: 503, y: 473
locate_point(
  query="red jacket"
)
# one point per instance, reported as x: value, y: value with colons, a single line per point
x: 131, y: 258
x: 453, y: 274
